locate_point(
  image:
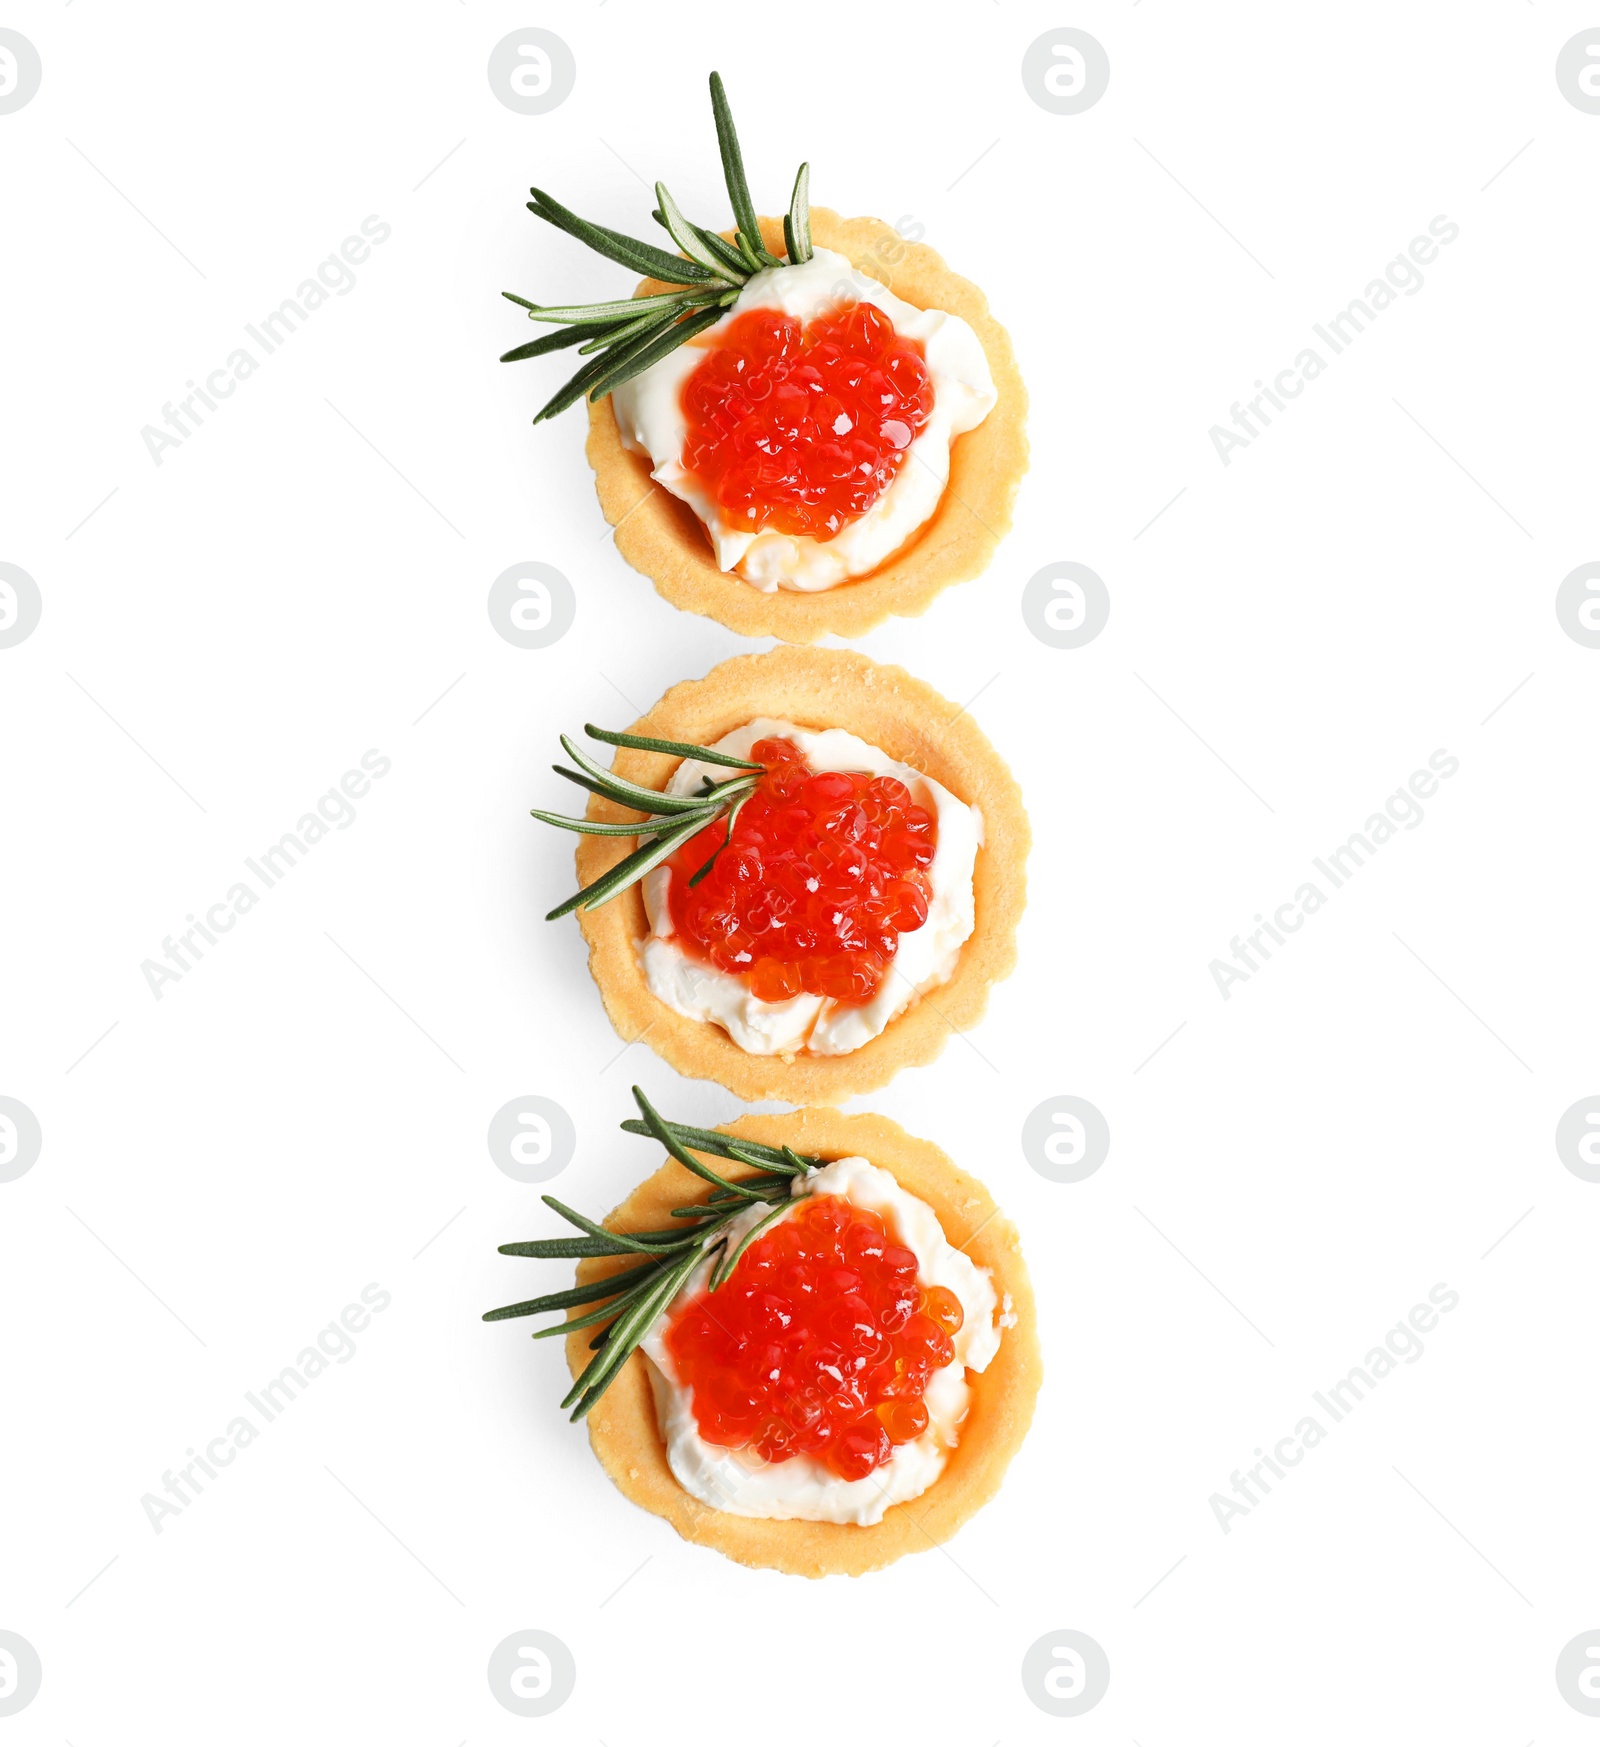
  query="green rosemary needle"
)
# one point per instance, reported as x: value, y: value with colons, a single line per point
x: 635, y: 1297
x: 627, y: 335
x: 670, y: 821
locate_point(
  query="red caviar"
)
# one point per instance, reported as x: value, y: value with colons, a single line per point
x: 825, y: 871
x: 820, y: 1343
x: 800, y: 429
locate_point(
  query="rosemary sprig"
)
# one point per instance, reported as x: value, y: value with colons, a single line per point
x: 670, y: 821
x: 626, y: 251
x: 650, y: 349
x: 635, y: 1297
x: 628, y: 335
x: 647, y: 743
x: 719, y: 246
x: 722, y: 1146
x: 748, y: 233
x: 797, y: 221
x: 575, y: 335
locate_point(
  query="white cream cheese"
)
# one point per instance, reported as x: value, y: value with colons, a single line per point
x: 738, y: 1481
x: 649, y: 414
x: 926, y: 957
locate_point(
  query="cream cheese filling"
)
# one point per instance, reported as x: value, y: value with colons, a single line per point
x: 738, y: 1481
x: 649, y: 414
x: 926, y: 956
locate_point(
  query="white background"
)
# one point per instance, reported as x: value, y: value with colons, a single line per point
x: 305, y: 1111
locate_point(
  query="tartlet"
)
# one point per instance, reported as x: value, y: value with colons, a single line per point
x: 824, y: 424
x: 887, y: 707
x: 662, y: 537
x: 623, y: 1429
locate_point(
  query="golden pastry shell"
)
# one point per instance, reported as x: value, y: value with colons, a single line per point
x: 661, y: 536
x: 888, y: 708
x: 623, y: 1428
